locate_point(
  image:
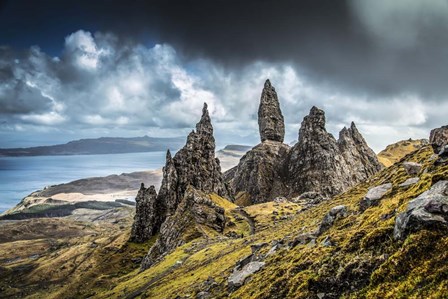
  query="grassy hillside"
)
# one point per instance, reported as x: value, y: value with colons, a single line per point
x: 362, y: 261
x: 394, y: 152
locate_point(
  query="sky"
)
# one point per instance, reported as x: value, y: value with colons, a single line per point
x: 86, y: 69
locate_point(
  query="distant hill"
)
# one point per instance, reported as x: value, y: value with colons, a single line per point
x: 230, y: 155
x: 103, y: 145
x: 394, y: 152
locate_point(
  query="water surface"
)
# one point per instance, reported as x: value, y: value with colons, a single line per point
x: 19, y: 176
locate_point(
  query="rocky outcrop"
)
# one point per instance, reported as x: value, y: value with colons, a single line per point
x: 270, y: 119
x: 439, y: 142
x: 260, y: 177
x: 238, y: 276
x: 194, y: 167
x: 147, y: 219
x: 427, y: 211
x: 317, y: 164
x: 320, y: 163
x: 195, y: 164
x: 438, y: 139
x: 195, y: 210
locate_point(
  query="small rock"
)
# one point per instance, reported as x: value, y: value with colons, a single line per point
x: 412, y: 168
x: 374, y: 196
x: 327, y: 242
x: 410, y: 181
x: 256, y: 247
x: 302, y: 239
x: 280, y: 199
x: 203, y: 295
x: 237, y: 278
x: 334, y: 214
x: 320, y: 295
x: 243, y: 262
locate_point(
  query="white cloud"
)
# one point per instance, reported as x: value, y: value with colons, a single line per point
x: 82, y: 47
x: 101, y: 86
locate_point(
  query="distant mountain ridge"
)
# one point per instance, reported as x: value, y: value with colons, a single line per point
x: 103, y: 145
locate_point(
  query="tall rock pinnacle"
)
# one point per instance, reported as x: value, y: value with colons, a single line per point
x: 147, y: 215
x: 270, y: 119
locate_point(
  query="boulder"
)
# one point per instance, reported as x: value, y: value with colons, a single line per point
x: 438, y: 139
x: 427, y: 211
x: 373, y: 196
x: 412, y: 168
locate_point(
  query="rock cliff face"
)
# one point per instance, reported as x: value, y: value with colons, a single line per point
x: 195, y: 210
x: 260, y: 177
x: 147, y: 215
x: 270, y: 118
x: 320, y: 163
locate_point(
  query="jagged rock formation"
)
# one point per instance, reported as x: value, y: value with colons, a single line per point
x: 147, y: 215
x: 320, y: 163
x: 195, y: 210
x: 270, y: 119
x: 195, y: 167
x: 195, y: 164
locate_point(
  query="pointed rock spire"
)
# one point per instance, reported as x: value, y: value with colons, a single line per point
x: 204, y: 126
x: 192, y: 166
x: 270, y: 119
x: 147, y: 215
x: 168, y: 189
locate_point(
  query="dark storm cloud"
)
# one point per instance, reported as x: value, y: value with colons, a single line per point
x: 334, y: 41
x: 139, y: 67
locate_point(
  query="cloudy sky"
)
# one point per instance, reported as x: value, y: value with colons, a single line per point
x: 77, y: 69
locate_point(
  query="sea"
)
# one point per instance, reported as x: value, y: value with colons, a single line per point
x: 20, y: 176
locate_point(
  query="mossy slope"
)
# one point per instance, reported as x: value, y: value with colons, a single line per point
x: 364, y: 261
